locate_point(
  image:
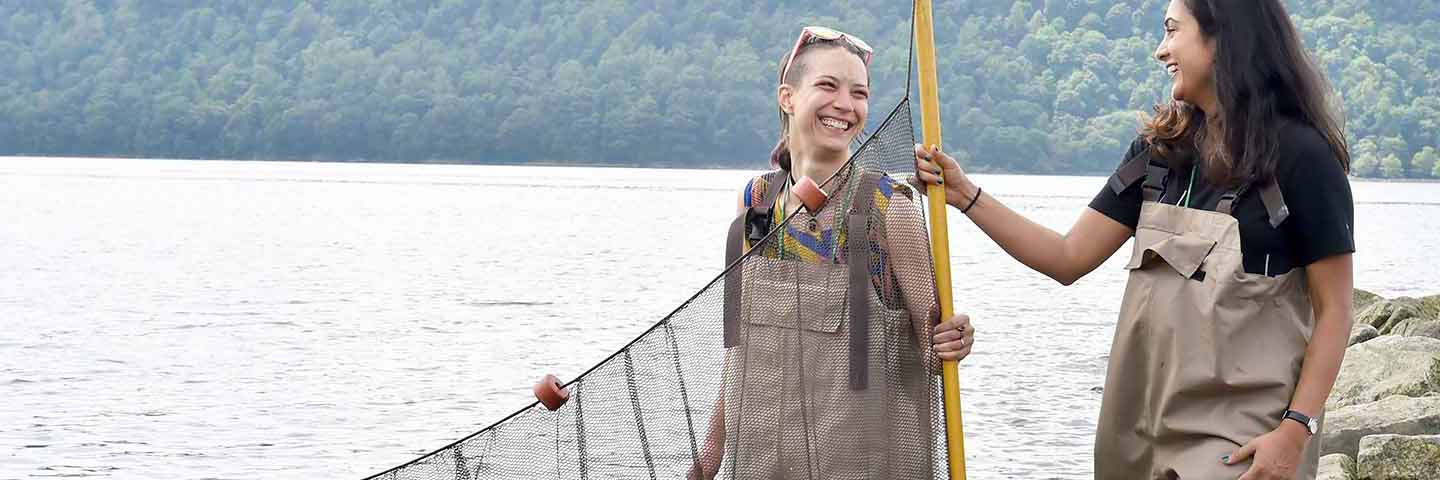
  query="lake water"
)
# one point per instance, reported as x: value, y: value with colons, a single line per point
x: 228, y: 320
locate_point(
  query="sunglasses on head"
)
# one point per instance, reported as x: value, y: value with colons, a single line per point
x: 813, y: 34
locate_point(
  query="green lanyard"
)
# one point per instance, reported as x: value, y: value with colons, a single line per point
x: 780, y: 215
x: 1186, y: 196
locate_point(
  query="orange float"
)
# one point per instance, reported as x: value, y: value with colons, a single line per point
x: 551, y: 392
x: 810, y: 194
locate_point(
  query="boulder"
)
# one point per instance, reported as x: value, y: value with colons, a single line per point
x: 1385, y: 366
x: 1397, y: 414
x: 1417, y: 327
x: 1333, y: 467
x: 1363, y: 299
x: 1431, y: 305
x: 1399, y: 457
x: 1384, y: 315
x: 1360, y: 333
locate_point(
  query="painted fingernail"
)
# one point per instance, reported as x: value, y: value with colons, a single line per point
x: 940, y: 182
x: 1225, y: 459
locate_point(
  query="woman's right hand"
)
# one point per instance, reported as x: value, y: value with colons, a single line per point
x: 933, y: 166
x: 954, y: 338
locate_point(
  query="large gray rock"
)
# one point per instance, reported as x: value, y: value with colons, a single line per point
x: 1364, y: 299
x: 1417, y: 327
x: 1431, y: 305
x: 1397, y: 415
x: 1399, y: 457
x: 1332, y: 467
x: 1385, y: 366
x: 1384, y: 315
x: 1361, y: 333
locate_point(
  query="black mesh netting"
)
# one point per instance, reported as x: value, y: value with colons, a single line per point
x: 793, y: 374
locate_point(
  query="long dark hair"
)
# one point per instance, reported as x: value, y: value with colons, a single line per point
x: 1262, y: 75
x: 780, y: 155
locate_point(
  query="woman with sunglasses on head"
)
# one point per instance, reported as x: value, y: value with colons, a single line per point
x: 835, y: 344
x: 1238, y: 306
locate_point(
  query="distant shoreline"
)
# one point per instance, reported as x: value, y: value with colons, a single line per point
x: 552, y: 163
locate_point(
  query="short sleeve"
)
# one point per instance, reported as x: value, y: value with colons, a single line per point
x: 749, y: 195
x: 1317, y: 191
x: 1123, y: 207
x: 755, y: 190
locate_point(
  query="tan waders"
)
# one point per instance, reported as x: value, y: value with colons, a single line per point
x: 1206, y: 356
x: 823, y: 379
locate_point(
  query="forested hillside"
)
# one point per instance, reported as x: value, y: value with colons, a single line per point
x: 1042, y: 86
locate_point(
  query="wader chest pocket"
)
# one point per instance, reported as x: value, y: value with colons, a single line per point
x: 817, y: 302
x: 1183, y: 253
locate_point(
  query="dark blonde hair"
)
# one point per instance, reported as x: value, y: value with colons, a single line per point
x: 780, y: 155
x: 1262, y: 75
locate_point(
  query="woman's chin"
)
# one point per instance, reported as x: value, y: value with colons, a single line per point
x: 1177, y: 93
x: 833, y: 146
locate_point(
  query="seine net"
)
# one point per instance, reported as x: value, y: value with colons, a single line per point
x: 779, y: 368
x: 808, y: 357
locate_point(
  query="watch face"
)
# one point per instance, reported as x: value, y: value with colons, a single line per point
x: 1314, y: 426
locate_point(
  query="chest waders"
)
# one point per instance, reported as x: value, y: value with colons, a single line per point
x: 823, y: 379
x: 1206, y: 356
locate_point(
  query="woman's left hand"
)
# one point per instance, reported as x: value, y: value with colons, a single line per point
x: 954, y: 337
x: 1277, y: 454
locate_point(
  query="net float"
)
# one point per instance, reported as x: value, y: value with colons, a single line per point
x: 810, y: 194
x: 551, y: 392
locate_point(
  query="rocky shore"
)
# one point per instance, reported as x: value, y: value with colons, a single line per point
x: 1382, y: 419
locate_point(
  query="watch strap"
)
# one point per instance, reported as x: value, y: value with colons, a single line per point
x: 1302, y: 419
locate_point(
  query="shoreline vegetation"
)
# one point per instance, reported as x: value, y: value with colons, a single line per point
x: 1027, y: 86
x: 565, y: 164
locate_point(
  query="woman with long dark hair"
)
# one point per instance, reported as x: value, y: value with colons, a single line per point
x: 1238, y: 305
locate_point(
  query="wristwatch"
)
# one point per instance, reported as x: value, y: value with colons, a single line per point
x: 1311, y: 425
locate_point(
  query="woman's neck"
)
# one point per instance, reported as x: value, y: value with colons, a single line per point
x: 1208, y: 104
x: 817, y: 168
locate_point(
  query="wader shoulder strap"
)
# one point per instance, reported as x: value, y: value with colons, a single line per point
x: 857, y: 246
x: 1156, y: 174
x: 1227, y: 202
x: 1139, y: 166
x: 752, y: 225
x: 1274, y: 203
x: 1131, y: 170
x: 1270, y: 195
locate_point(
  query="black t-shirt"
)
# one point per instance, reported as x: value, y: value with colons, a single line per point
x: 1314, y: 185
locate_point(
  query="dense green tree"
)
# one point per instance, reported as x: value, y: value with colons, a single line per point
x: 1425, y: 163
x: 1390, y: 167
x: 1364, y: 158
x: 1045, y: 86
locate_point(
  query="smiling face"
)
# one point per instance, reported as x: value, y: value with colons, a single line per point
x: 827, y: 103
x: 1189, y: 57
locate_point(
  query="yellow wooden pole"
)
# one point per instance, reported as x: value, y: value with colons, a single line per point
x: 939, y: 230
